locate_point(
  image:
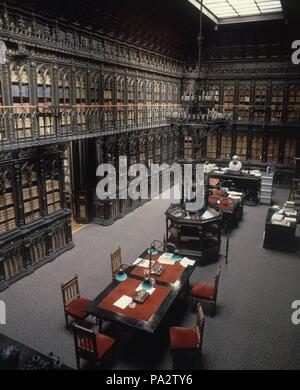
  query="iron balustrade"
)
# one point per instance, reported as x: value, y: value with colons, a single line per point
x: 25, y: 125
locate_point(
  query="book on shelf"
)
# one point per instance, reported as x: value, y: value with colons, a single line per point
x: 54, y: 207
x: 7, y: 226
x: 38, y: 252
x: 8, y: 185
x: 6, y: 215
x: 53, y: 198
x: 31, y: 206
x: 34, y: 216
x: 30, y: 193
x: 50, y: 184
x: 13, y: 267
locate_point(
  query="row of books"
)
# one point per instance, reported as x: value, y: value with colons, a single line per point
x: 7, y: 226
x: 7, y: 200
x: 50, y: 188
x: 31, y: 205
x: 29, y: 193
x: 13, y: 267
x: 7, y: 214
x: 32, y: 217
x: 58, y: 242
x: 53, y: 208
x: 38, y: 252
x: 8, y: 185
x: 33, y: 178
x: 53, y: 198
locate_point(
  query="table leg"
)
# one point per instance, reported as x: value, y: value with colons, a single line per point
x: 100, y: 323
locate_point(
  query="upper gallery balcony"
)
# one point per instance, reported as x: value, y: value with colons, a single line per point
x: 25, y: 126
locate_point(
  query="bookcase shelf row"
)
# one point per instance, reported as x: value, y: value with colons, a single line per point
x: 25, y: 251
x: 37, y: 193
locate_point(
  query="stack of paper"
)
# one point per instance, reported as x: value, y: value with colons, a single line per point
x: 166, y: 258
x: 291, y: 214
x: 292, y: 220
x: 277, y: 218
x: 123, y: 302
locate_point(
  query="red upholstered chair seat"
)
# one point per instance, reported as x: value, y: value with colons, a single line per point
x: 76, y: 307
x: 183, y: 338
x: 204, y: 291
x: 104, y: 344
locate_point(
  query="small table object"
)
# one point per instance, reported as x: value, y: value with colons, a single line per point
x: 141, y: 296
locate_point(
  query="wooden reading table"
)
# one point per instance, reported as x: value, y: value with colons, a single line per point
x: 147, y: 316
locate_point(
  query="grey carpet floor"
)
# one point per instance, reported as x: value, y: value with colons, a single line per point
x: 252, y: 330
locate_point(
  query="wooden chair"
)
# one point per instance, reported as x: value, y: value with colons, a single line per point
x: 207, y: 293
x: 116, y: 262
x: 74, y: 305
x: 188, y: 339
x: 91, y: 346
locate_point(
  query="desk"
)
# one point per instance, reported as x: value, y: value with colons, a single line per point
x: 194, y: 236
x: 148, y: 316
x: 232, y: 209
x: 248, y: 184
x: 233, y: 214
x: 279, y: 237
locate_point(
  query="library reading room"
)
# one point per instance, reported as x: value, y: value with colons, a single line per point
x: 149, y: 185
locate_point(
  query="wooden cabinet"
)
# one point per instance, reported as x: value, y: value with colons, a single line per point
x: 195, y: 234
x: 34, y: 227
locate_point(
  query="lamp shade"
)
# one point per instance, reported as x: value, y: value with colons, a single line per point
x: 176, y: 257
x: 121, y: 276
x: 152, y: 252
x: 147, y: 284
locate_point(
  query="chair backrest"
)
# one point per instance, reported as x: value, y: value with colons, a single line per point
x: 85, y: 343
x: 116, y: 262
x: 217, y: 280
x: 70, y: 291
x: 200, y: 322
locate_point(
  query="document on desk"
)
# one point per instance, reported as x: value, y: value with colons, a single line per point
x: 208, y: 215
x: 148, y: 291
x: 291, y: 213
x: 166, y: 259
x: 185, y: 262
x: 123, y: 302
x: 143, y: 263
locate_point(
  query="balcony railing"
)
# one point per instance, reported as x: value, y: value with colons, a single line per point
x: 22, y: 126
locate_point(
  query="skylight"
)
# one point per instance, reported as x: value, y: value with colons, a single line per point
x: 224, y: 11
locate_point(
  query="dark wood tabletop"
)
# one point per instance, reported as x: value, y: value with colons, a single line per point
x: 118, y: 315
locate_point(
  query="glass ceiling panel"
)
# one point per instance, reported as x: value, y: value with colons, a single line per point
x: 221, y: 9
